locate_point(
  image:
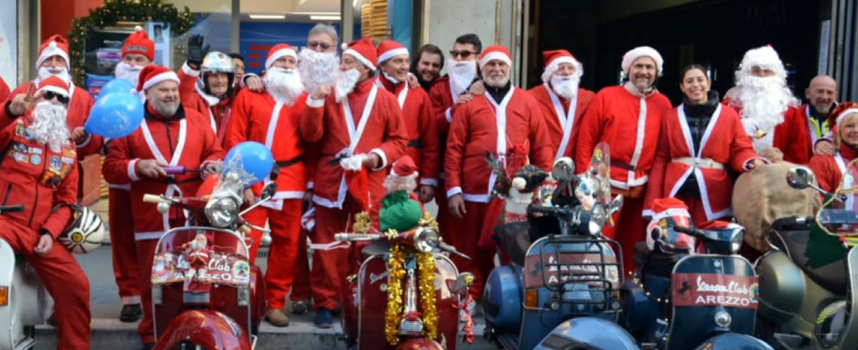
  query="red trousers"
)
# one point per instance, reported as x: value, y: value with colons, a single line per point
x: 331, y: 267
x: 465, y: 236
x: 285, y: 228
x: 122, y: 246
x: 145, y: 256
x: 64, y: 279
x: 629, y: 228
x: 301, y: 285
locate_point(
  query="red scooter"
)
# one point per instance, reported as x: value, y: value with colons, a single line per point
x: 369, y: 320
x: 205, y: 293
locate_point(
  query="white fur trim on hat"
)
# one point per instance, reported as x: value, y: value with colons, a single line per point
x: 50, y: 51
x: 278, y: 54
x: 360, y: 58
x: 551, y: 68
x: 764, y: 57
x: 495, y: 56
x: 845, y: 113
x: 391, y: 54
x: 642, y: 51
x: 55, y: 90
x: 166, y: 76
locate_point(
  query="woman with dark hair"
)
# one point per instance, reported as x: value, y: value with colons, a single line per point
x: 700, y: 141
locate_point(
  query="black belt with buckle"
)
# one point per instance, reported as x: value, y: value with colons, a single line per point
x: 290, y: 162
x: 415, y: 144
x: 622, y: 165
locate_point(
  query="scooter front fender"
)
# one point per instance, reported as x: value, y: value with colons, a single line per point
x: 208, y: 329
x: 589, y: 333
x: 850, y: 334
x: 419, y: 344
x: 734, y: 341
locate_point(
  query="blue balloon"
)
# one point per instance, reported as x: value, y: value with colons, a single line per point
x: 253, y: 158
x: 115, y: 115
x: 116, y: 85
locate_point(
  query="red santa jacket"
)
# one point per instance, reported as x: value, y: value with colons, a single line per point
x: 185, y: 139
x: 421, y: 127
x: 33, y: 175
x: 556, y: 112
x: 483, y: 126
x: 4, y: 91
x: 78, y: 112
x: 630, y: 124
x: 259, y: 117
x: 829, y: 170
x: 791, y: 137
x: 815, y: 130
x: 216, y: 110
x: 443, y: 108
x: 724, y: 142
x: 378, y: 128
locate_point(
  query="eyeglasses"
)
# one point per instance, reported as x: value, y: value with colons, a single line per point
x: 50, y: 95
x: 463, y: 54
x: 315, y: 44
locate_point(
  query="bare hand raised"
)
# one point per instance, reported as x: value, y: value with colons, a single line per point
x: 22, y: 103
x: 322, y: 92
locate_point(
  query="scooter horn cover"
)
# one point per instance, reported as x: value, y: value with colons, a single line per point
x: 84, y: 232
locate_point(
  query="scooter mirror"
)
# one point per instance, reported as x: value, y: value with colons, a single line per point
x: 563, y: 170
x: 464, y: 283
x: 269, y: 190
x: 616, y: 204
x: 800, y: 177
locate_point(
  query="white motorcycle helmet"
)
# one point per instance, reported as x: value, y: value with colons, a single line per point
x: 85, y: 232
x: 669, y: 241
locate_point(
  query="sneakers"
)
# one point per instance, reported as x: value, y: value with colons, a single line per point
x: 131, y: 313
x: 323, y: 318
x: 300, y: 307
x: 277, y: 318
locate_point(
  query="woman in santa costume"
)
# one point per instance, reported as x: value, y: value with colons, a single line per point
x: 359, y: 131
x: 272, y: 118
x: 169, y: 135
x: 416, y: 113
x: 560, y: 99
x: 830, y: 170
x: 4, y: 90
x: 502, y: 119
x: 700, y: 141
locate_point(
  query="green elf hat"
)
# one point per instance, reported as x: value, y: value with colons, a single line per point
x: 399, y: 210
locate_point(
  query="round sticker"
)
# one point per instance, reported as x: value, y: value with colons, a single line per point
x: 35, y: 159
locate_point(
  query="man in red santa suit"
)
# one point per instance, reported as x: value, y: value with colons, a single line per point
x: 272, y: 118
x: 560, y: 99
x: 503, y: 118
x: 359, y: 131
x: 416, y: 113
x: 40, y: 173
x: 170, y: 135
x: 821, y: 97
x: 768, y: 108
x: 628, y: 118
x: 4, y: 90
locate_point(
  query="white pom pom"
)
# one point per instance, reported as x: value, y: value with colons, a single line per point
x: 519, y: 183
x: 138, y: 28
x: 53, y: 45
x: 344, y: 46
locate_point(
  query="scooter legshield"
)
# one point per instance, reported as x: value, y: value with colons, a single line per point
x: 733, y: 341
x: 501, y: 302
x: 206, y: 328
x: 588, y: 333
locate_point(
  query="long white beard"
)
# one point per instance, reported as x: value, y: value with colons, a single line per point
x: 345, y: 83
x: 461, y: 75
x: 49, y: 125
x: 127, y: 72
x: 284, y: 84
x: 565, y: 86
x: 62, y: 73
x: 765, y: 100
x: 317, y: 68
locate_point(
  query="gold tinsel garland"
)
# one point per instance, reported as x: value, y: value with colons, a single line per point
x: 396, y: 272
x: 426, y: 288
x: 426, y: 266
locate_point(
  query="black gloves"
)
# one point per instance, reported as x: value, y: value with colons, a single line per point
x: 196, y: 51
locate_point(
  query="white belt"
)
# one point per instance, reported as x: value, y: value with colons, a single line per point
x: 705, y: 163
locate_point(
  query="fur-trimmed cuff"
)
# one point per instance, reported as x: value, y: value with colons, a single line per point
x: 429, y: 182
x: 244, y: 78
x: 310, y: 185
x: 449, y: 114
x: 454, y: 191
x: 132, y: 170
x: 203, y: 166
x: 189, y: 71
x: 647, y: 213
x: 314, y: 103
x: 381, y: 156
x: 85, y: 142
x: 747, y: 165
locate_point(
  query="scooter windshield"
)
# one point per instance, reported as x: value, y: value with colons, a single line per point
x: 204, y: 256
x: 595, y: 184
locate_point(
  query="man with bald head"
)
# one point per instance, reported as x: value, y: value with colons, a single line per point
x: 821, y: 99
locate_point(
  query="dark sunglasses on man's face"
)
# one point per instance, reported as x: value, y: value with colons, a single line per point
x: 463, y: 54
x: 314, y: 44
x: 50, y: 95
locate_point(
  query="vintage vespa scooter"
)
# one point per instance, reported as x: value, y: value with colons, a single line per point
x: 205, y: 294
x: 560, y: 291
x: 807, y: 306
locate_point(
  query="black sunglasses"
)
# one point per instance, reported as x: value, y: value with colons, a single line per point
x: 314, y: 44
x: 463, y: 54
x: 50, y: 95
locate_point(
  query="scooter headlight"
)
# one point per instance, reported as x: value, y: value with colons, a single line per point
x: 598, y: 217
x: 222, y: 211
x: 736, y: 242
x: 426, y: 239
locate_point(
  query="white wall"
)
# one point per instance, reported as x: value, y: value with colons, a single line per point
x: 9, y: 42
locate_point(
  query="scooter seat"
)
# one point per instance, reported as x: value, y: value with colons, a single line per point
x: 376, y: 248
x: 833, y: 277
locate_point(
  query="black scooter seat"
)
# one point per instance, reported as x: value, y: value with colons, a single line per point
x: 833, y: 277
x: 376, y: 248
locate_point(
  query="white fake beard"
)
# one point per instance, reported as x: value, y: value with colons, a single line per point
x: 565, y: 86
x: 317, y: 68
x: 390, y: 78
x: 62, y: 73
x: 765, y: 100
x: 127, y: 72
x: 496, y: 80
x: 345, y: 83
x: 284, y: 84
x: 461, y: 75
x: 49, y: 125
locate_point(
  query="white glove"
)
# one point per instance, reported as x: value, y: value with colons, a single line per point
x: 353, y: 163
x: 750, y: 127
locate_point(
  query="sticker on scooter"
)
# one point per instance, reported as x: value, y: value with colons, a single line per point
x: 706, y: 289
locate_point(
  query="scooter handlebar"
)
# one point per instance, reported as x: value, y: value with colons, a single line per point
x: 152, y: 198
x: 11, y: 209
x: 352, y: 237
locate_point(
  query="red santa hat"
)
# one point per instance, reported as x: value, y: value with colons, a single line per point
x: 152, y: 75
x: 404, y: 167
x: 495, y: 52
x: 837, y: 116
x: 389, y: 49
x: 364, y: 52
x: 666, y: 207
x: 56, y: 45
x: 642, y: 51
x: 54, y: 84
x: 278, y: 51
x: 764, y: 57
x: 554, y: 58
x: 139, y: 43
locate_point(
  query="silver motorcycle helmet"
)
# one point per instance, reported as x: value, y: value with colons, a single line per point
x: 217, y: 62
